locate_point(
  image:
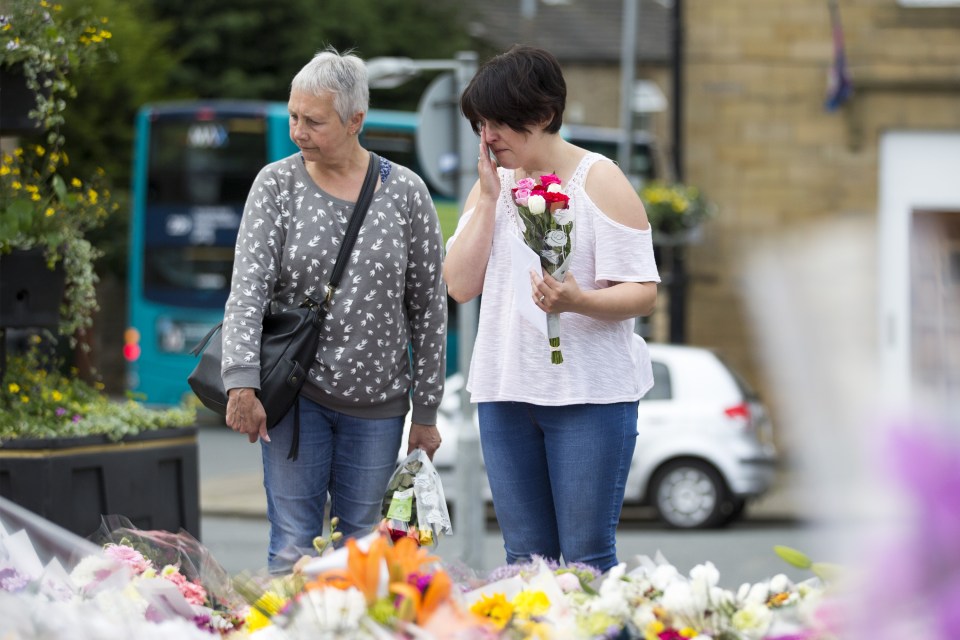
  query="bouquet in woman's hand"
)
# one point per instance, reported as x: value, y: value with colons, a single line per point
x: 414, y: 505
x: 548, y: 230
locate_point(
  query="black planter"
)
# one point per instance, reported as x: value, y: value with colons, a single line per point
x: 150, y: 478
x: 16, y: 102
x: 30, y: 292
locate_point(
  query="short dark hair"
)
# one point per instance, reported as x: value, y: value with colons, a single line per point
x: 519, y: 88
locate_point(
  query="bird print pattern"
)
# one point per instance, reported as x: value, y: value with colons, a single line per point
x: 385, y: 330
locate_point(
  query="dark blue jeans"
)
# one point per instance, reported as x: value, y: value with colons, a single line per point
x: 351, y: 458
x: 557, y: 475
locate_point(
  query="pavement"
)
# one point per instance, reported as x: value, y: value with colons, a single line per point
x: 231, y: 482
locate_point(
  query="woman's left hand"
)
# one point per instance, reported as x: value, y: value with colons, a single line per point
x: 555, y: 296
x: 424, y: 436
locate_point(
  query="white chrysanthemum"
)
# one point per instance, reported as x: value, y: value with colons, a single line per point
x: 663, y: 576
x: 87, y: 570
x: 330, y: 610
x: 752, y: 620
x: 780, y: 583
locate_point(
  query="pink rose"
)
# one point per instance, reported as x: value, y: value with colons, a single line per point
x: 127, y: 556
x: 549, y: 179
x: 521, y: 195
x: 526, y: 183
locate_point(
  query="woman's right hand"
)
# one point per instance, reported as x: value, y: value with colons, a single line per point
x: 487, y: 170
x: 245, y: 414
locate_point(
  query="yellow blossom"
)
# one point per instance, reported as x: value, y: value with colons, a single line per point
x: 494, y: 608
x: 34, y: 196
x: 25, y: 399
x: 13, y: 387
x: 76, y: 183
x: 16, y: 185
x: 531, y: 603
x: 40, y: 150
x: 92, y: 196
x: 4, y: 170
x: 56, y: 395
x: 689, y: 632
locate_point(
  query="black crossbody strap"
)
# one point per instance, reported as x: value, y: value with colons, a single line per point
x: 353, y: 228
x: 349, y: 238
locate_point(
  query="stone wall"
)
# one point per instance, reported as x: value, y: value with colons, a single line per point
x: 760, y: 143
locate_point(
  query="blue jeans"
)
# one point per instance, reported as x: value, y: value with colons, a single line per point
x: 351, y: 458
x: 557, y: 475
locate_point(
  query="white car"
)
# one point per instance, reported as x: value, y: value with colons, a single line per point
x: 704, y: 441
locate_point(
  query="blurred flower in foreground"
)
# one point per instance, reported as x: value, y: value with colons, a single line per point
x: 915, y: 580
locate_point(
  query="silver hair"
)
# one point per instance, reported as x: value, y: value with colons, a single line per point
x: 344, y: 75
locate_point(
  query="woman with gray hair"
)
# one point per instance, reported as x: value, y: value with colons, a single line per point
x: 382, y: 345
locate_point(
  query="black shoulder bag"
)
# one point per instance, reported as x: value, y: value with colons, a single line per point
x: 288, y: 345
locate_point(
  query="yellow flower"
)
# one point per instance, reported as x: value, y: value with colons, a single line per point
x: 16, y: 185
x: 34, y: 196
x: 76, y: 183
x: 653, y: 630
x: 13, y: 387
x: 25, y: 399
x: 495, y: 608
x: 40, y: 150
x: 49, y: 212
x: 56, y: 395
x: 92, y: 195
x: 689, y: 632
x: 4, y: 170
x: 531, y: 603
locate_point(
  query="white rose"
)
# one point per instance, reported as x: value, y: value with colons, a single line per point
x: 556, y: 238
x: 536, y: 204
x: 553, y: 188
x: 563, y: 216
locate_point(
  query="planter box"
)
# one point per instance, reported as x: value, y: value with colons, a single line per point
x: 151, y: 478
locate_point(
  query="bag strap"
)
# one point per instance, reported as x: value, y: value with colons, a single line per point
x: 349, y: 238
x: 353, y: 228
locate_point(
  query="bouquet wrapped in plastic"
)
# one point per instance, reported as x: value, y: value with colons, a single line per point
x: 414, y: 505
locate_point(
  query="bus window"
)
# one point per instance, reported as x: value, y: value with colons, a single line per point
x: 200, y: 171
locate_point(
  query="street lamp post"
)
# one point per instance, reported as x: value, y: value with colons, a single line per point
x: 386, y: 73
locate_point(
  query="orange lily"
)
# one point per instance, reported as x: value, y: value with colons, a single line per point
x: 363, y: 568
x: 423, y: 605
x: 406, y: 557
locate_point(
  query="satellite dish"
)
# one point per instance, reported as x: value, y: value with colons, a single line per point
x: 437, y: 119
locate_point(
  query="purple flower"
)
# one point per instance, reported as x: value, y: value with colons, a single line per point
x: 12, y: 580
x: 76, y: 417
x: 60, y: 412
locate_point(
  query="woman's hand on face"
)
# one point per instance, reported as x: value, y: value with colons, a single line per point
x: 424, y: 436
x: 487, y: 170
x: 245, y: 414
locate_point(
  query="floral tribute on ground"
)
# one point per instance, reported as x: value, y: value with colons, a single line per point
x: 548, y: 230
x: 154, y: 584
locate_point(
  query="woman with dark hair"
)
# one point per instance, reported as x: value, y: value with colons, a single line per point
x: 557, y: 439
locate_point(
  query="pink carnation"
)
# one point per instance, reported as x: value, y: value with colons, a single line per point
x: 193, y: 592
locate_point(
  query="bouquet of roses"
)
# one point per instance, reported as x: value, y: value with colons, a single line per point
x: 548, y: 230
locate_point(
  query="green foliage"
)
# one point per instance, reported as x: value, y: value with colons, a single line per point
x: 38, y: 400
x: 240, y: 50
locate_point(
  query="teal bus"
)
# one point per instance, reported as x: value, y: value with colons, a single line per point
x: 193, y: 166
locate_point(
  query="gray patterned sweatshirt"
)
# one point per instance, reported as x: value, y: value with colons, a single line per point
x: 385, y: 331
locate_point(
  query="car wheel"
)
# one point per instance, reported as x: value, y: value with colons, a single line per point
x: 690, y: 494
